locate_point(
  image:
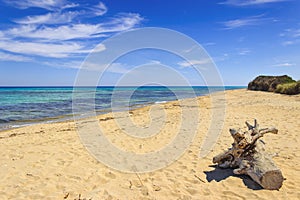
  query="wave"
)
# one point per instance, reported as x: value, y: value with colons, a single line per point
x: 160, y: 102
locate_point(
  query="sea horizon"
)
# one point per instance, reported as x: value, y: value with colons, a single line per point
x: 112, y: 86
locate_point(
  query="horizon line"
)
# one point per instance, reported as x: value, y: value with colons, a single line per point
x: 70, y: 86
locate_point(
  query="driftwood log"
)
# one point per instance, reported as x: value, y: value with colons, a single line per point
x: 248, y: 156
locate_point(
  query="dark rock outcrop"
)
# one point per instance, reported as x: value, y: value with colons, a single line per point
x: 268, y: 83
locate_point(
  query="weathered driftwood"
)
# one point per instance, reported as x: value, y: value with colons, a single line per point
x: 248, y: 156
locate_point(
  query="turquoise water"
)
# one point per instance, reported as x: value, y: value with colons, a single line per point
x: 26, y: 105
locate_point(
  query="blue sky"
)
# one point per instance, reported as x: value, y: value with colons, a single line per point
x: 44, y: 42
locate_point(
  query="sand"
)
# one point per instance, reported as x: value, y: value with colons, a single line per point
x: 49, y: 161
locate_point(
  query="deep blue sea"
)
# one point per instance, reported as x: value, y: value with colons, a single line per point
x: 20, y: 106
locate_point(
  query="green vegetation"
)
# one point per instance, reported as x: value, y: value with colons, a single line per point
x: 288, y: 88
x: 268, y: 83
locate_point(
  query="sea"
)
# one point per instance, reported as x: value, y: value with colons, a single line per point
x: 22, y: 106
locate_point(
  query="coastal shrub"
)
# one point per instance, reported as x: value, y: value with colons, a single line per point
x: 289, y: 88
x: 268, y: 83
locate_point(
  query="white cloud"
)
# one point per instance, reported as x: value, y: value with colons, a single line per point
x: 190, y: 49
x: 62, y: 50
x: 98, y: 48
x: 191, y: 63
x: 293, y: 33
x: 209, y: 44
x: 89, y: 65
x: 69, y: 5
x: 157, y: 62
x: 100, y: 9
x: 248, y: 21
x: 75, y: 31
x: 122, y: 22
x: 65, y: 32
x: 63, y: 64
x: 250, y: 2
x: 286, y: 64
x: 291, y: 36
x: 244, y: 52
x: 45, y: 4
x: 118, y: 68
x: 221, y: 58
x: 12, y: 57
x: 296, y: 33
x: 59, y: 16
x: 58, y: 33
x: 52, y: 41
x: 49, y: 18
x: 115, y: 67
x: 2, y: 36
x: 18, y: 31
x: 289, y: 42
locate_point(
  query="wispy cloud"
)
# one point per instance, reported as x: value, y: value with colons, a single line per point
x: 75, y: 31
x: 60, y: 50
x: 244, y: 51
x: 49, y: 18
x: 290, y: 42
x: 249, y: 2
x: 290, y: 36
x: 294, y: 33
x: 58, y: 34
x: 209, y: 44
x: 100, y: 9
x: 286, y: 64
x: 63, y: 64
x: 118, y: 68
x: 191, y: 63
x: 12, y: 57
x: 45, y: 4
x: 248, y: 21
x: 59, y: 15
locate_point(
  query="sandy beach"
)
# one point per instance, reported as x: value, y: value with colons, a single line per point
x: 49, y: 161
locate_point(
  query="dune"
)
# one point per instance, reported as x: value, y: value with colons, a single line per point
x: 49, y: 161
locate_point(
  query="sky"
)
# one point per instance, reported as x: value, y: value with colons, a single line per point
x: 46, y: 42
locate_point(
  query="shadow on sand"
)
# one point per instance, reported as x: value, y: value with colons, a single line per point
x: 219, y: 174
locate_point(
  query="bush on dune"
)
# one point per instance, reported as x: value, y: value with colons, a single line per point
x: 288, y: 88
x: 268, y: 83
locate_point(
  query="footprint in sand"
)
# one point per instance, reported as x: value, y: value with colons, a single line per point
x: 137, y: 183
x: 156, y: 188
x: 144, y: 190
x: 110, y: 175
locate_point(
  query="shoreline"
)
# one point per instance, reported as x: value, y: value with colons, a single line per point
x: 49, y: 160
x: 70, y: 117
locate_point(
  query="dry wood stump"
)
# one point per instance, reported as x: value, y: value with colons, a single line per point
x: 248, y: 156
